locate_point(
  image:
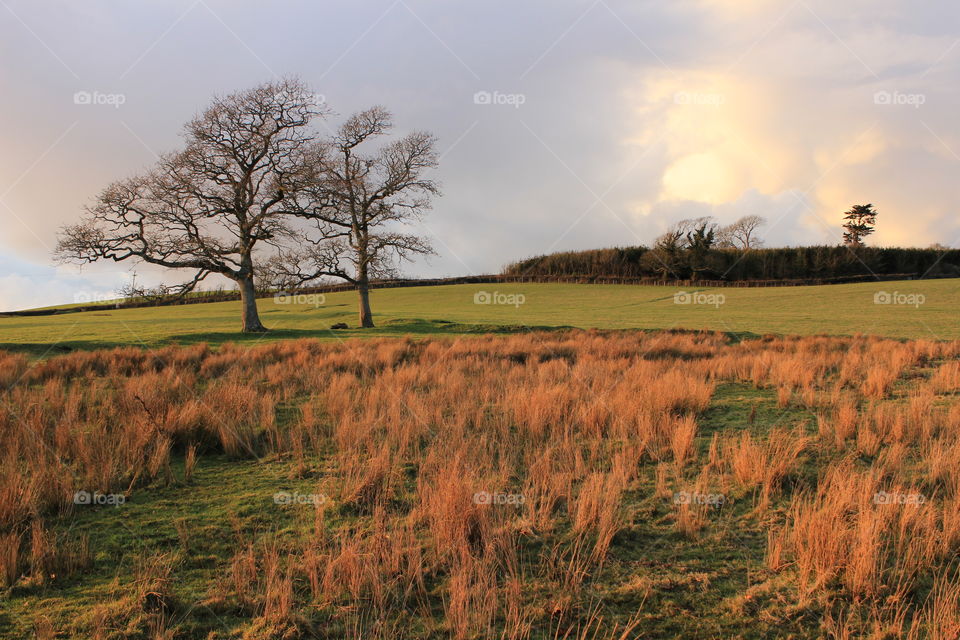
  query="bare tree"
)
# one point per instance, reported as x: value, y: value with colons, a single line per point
x: 357, y: 203
x: 742, y: 234
x: 208, y: 207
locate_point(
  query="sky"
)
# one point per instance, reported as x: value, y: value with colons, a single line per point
x: 562, y: 124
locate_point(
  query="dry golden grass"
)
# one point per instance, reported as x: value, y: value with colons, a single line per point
x: 449, y: 456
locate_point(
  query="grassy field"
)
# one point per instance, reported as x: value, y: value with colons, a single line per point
x: 598, y: 432
x: 834, y: 309
x: 669, y: 485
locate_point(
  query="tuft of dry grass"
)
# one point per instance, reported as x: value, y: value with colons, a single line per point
x: 9, y: 559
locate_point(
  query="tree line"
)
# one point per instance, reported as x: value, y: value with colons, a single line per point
x: 701, y: 249
x: 734, y: 264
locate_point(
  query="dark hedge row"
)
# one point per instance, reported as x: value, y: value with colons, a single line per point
x: 787, y: 263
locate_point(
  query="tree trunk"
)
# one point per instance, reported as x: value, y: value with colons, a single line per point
x: 248, y: 300
x: 366, y: 316
x: 363, y: 274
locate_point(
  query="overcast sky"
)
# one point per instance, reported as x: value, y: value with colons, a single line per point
x: 563, y: 124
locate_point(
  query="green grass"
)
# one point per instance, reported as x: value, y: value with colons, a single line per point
x: 223, y: 494
x: 834, y: 309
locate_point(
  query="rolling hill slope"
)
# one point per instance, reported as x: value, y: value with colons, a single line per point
x: 906, y: 309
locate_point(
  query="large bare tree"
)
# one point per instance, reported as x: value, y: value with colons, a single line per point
x: 356, y: 203
x: 209, y: 207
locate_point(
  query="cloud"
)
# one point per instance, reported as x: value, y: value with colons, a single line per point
x: 634, y: 114
x: 820, y: 113
x: 35, y: 286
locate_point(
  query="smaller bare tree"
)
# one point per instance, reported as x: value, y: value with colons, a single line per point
x: 742, y: 234
x: 355, y: 203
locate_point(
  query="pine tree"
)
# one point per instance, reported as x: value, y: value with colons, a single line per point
x: 860, y: 222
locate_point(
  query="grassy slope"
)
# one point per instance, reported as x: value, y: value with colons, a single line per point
x: 833, y: 309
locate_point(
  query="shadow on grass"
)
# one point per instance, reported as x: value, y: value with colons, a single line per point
x: 386, y: 328
x: 48, y: 349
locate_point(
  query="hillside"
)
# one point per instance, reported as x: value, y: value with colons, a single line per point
x: 834, y: 309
